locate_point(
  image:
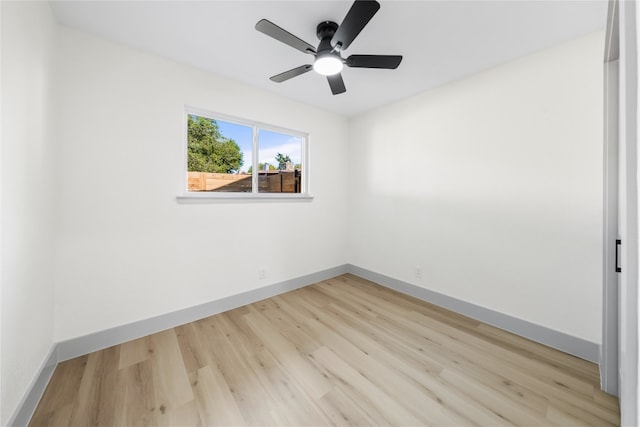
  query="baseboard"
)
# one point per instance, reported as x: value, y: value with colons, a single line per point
x: 567, y: 343
x: 97, y: 341
x: 80, y: 346
x: 30, y: 400
x: 75, y: 347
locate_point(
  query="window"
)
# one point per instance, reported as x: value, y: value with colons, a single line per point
x: 230, y: 157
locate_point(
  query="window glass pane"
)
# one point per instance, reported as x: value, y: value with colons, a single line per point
x: 280, y: 162
x: 218, y: 155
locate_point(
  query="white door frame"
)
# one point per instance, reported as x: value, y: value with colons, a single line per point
x: 628, y: 210
x: 609, y: 349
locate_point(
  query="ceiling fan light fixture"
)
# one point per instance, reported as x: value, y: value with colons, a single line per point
x: 328, y: 65
x: 333, y: 38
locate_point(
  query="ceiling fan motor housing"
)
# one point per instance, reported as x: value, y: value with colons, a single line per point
x: 326, y: 29
x: 325, y: 32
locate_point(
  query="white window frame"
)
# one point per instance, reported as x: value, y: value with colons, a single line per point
x: 254, y: 194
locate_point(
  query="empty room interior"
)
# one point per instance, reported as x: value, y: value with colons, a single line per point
x: 204, y: 223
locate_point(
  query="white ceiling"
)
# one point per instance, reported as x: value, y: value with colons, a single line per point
x: 440, y: 40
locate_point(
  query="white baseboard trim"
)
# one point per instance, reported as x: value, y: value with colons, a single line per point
x: 80, y: 346
x: 567, y: 343
x: 31, y: 398
x: 97, y: 341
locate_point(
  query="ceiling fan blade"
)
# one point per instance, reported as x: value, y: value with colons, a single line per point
x: 272, y: 30
x: 279, y: 78
x: 374, y: 61
x: 356, y: 19
x: 336, y: 84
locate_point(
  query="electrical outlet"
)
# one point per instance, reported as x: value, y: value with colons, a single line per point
x: 262, y: 273
x: 418, y: 272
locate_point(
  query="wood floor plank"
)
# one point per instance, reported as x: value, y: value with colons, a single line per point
x: 444, y: 325
x: 96, y: 399
x: 578, y: 367
x: 180, y: 415
x: 60, y: 417
x: 442, y: 337
x: 293, y: 403
x: 195, y: 355
x: 170, y: 380
x: 523, y: 376
x: 288, y: 402
x: 543, y: 371
x: 352, y: 382
x: 341, y: 352
x: 288, y: 355
x: 342, y: 410
x: 606, y: 400
x: 490, y: 398
x: 135, y: 401
x: 134, y: 351
x: 55, y: 409
x: 560, y: 418
x: 247, y: 390
x: 216, y: 405
x: 425, y: 372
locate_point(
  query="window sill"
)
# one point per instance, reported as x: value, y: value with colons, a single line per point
x: 242, y: 197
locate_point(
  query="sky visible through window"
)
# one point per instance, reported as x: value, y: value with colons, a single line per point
x: 270, y: 144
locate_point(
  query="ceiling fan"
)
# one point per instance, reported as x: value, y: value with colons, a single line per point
x: 334, y: 38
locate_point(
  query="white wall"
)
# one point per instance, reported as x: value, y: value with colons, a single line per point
x: 492, y: 185
x: 127, y: 250
x: 27, y: 197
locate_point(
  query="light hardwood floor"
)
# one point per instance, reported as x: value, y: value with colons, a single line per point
x: 341, y: 352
